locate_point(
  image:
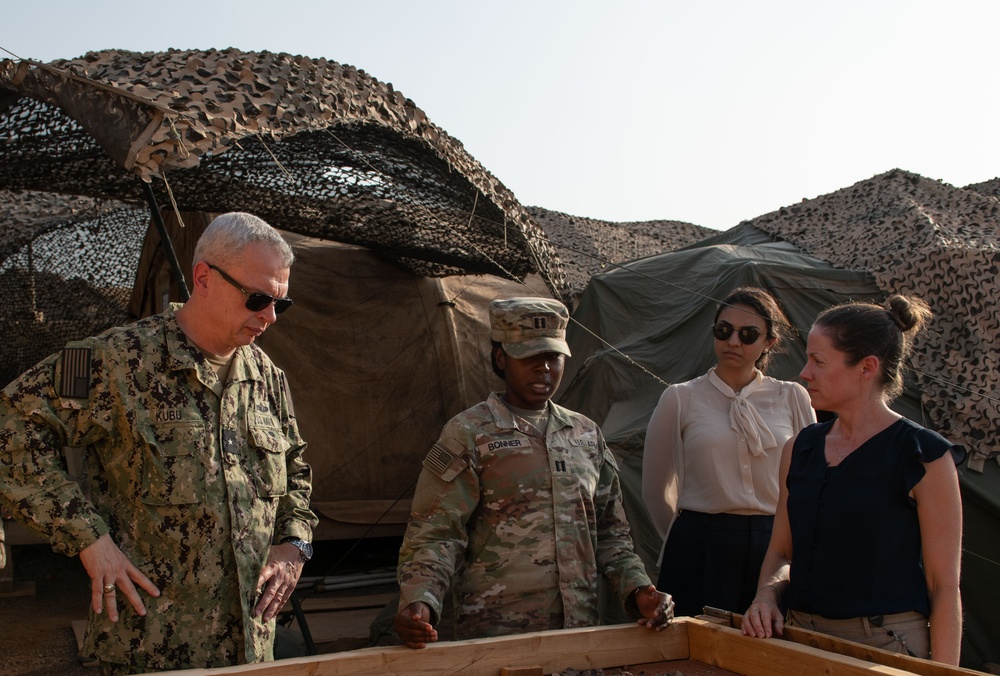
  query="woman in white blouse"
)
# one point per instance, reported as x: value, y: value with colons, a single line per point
x: 710, y: 465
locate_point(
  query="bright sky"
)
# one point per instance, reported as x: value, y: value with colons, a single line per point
x: 707, y: 111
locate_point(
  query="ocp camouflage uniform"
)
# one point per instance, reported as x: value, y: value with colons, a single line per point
x: 521, y: 523
x: 193, y: 480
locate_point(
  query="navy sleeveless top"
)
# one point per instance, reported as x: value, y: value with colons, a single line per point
x: 855, y: 535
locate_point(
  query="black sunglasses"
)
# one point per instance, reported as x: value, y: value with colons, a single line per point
x: 748, y: 335
x: 256, y: 301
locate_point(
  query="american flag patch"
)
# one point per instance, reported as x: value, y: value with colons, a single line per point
x: 438, y: 460
x: 75, y: 381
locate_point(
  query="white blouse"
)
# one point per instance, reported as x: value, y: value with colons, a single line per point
x: 710, y: 449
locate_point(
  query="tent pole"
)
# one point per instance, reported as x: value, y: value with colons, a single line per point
x: 168, y: 247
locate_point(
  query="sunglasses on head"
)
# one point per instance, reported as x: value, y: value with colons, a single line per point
x: 748, y: 335
x: 256, y: 301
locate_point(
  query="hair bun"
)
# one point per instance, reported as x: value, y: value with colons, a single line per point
x: 907, y: 312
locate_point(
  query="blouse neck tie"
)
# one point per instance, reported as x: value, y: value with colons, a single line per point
x: 743, y: 416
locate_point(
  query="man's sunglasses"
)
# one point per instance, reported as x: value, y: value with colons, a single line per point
x: 256, y: 301
x: 748, y: 335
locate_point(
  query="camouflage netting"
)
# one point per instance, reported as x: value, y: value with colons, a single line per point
x: 989, y: 188
x: 311, y: 146
x: 588, y: 246
x: 67, y: 271
x: 923, y: 237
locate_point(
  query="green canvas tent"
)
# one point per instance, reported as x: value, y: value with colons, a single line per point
x: 647, y: 325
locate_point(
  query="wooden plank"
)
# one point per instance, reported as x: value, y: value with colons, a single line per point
x: 329, y: 529
x: 19, y: 535
x: 911, y: 665
x: 626, y: 646
x: 850, y: 648
x: 728, y: 648
x: 344, y: 519
x: 79, y: 629
x: 327, y: 627
x: 319, y: 605
x: 10, y: 588
x: 585, y: 648
x: 365, y: 511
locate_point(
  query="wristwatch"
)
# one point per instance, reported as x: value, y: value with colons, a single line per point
x: 305, y: 548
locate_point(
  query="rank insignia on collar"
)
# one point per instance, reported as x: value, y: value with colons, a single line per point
x: 230, y: 441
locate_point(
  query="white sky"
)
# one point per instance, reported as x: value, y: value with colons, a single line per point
x: 707, y: 111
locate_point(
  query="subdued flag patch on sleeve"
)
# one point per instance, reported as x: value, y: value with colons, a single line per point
x: 75, y: 380
x: 444, y: 464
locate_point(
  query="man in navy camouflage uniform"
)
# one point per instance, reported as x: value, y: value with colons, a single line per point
x: 198, y: 506
x: 518, y: 506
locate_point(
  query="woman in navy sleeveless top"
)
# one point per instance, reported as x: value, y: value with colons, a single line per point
x: 867, y: 536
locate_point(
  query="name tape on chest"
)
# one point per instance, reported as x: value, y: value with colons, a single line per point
x: 500, y: 444
x: 166, y: 415
x: 260, y: 420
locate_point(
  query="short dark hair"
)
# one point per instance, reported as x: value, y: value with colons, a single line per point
x: 766, y: 307
x: 861, y: 329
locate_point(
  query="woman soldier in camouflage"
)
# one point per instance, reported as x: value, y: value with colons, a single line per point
x: 518, y: 506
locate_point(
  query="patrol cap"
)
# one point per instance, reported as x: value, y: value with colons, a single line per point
x: 529, y: 326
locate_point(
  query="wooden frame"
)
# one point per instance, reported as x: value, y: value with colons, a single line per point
x: 604, y: 647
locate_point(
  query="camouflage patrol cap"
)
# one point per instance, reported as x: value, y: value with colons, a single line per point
x: 529, y: 326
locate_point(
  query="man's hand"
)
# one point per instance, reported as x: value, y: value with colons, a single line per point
x: 278, y: 579
x: 110, y: 570
x: 413, y: 624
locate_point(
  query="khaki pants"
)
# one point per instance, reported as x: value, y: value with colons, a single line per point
x: 904, y: 633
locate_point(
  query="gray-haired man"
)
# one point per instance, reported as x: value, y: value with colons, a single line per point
x: 198, y: 507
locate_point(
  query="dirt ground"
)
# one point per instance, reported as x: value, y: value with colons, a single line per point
x: 36, y: 637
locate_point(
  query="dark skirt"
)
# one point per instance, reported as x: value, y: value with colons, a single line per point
x: 714, y: 560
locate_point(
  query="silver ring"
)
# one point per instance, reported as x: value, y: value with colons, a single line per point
x: 109, y: 588
x: 755, y: 611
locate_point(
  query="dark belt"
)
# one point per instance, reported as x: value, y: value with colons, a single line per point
x: 759, y: 522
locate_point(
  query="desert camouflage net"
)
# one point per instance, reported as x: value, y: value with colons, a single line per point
x: 312, y: 146
x: 67, y: 271
x: 927, y: 238
x: 588, y: 246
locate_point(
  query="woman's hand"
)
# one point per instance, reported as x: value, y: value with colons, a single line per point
x: 763, y: 619
x: 413, y: 624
